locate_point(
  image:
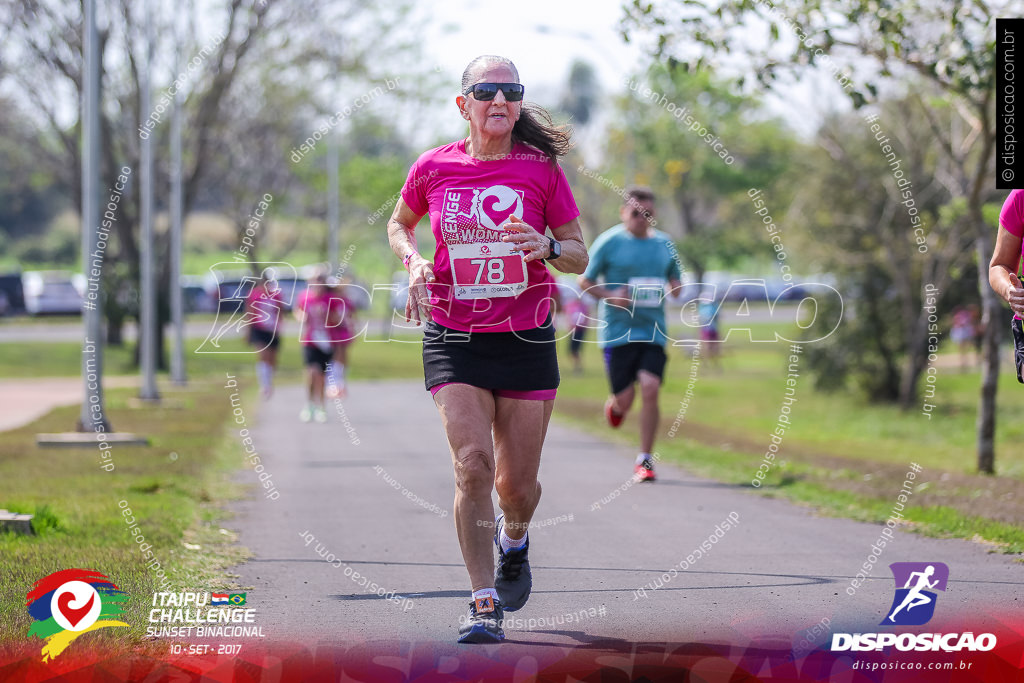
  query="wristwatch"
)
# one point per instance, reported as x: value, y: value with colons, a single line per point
x: 556, y: 249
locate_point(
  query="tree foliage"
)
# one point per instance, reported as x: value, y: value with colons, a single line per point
x: 876, y: 46
x: 702, y: 147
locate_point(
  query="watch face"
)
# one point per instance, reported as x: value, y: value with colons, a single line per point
x: 556, y: 249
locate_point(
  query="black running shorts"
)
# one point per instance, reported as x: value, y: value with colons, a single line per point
x: 312, y: 355
x: 626, y: 360
x: 516, y: 361
x: 262, y: 339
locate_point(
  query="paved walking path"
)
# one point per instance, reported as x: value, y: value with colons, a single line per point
x: 25, y: 400
x: 780, y: 570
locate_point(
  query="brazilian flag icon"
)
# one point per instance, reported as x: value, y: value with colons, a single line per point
x: 237, y: 598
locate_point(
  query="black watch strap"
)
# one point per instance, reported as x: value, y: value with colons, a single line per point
x: 553, y: 252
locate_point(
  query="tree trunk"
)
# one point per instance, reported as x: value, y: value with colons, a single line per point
x: 115, y: 327
x: 991, y: 318
x: 917, y: 360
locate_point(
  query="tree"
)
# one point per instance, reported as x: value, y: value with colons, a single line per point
x: 872, y: 45
x: 286, y: 40
x: 856, y: 228
x: 582, y: 93
x: 698, y: 144
x: 29, y: 196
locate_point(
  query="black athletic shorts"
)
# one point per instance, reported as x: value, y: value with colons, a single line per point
x: 263, y: 338
x: 1018, y: 348
x: 626, y: 360
x: 515, y: 361
x: 312, y: 355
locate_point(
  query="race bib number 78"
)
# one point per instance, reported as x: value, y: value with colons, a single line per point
x: 487, y: 270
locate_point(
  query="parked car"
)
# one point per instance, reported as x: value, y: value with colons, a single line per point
x: 197, y: 298
x: 12, y: 294
x: 50, y: 292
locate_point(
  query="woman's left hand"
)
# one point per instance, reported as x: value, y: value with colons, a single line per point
x: 534, y: 245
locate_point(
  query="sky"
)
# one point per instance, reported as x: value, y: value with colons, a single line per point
x: 544, y: 37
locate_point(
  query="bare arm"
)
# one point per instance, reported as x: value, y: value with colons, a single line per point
x: 574, y: 258
x: 1002, y: 270
x: 536, y: 246
x: 615, y: 296
x: 401, y: 227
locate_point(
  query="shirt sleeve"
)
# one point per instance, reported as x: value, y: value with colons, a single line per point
x: 1011, y: 217
x: 414, y: 192
x: 673, y: 265
x: 561, y: 205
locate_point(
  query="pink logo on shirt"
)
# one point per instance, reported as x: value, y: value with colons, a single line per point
x: 473, y: 214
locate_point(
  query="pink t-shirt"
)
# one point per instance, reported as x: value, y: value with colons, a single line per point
x: 1011, y: 217
x: 481, y: 285
x: 315, y: 304
x: 338, y: 317
x: 267, y: 305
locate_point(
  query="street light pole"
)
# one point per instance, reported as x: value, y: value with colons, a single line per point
x: 92, y: 310
x: 147, y: 292
x: 177, y: 302
x: 333, y: 202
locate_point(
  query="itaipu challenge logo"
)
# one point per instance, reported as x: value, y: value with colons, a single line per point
x: 916, y: 583
x: 69, y: 603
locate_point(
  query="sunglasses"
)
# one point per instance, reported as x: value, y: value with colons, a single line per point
x: 485, y: 92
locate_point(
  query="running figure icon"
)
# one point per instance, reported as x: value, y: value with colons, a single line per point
x: 916, y: 597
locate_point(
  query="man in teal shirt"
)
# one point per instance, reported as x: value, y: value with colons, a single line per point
x: 635, y: 262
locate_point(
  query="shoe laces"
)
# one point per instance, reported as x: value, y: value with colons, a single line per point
x: 512, y: 562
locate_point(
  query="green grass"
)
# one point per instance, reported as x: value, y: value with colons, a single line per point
x: 175, y: 488
x: 368, y: 360
x: 744, y: 398
x: 178, y: 498
x: 733, y: 410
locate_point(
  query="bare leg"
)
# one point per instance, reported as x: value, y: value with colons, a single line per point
x: 467, y: 413
x: 623, y: 401
x: 650, y: 385
x: 519, y: 430
x: 316, y: 384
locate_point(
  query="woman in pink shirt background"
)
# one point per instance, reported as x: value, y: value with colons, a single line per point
x: 484, y: 298
x: 312, y: 309
x: 263, y: 308
x: 340, y: 325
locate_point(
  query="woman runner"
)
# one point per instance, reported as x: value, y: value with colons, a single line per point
x: 488, y: 351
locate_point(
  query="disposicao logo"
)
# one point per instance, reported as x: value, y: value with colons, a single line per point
x: 913, y: 605
x: 913, y: 583
x: 68, y: 603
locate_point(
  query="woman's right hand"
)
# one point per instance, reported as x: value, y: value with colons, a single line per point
x: 1015, y: 295
x: 417, y: 304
